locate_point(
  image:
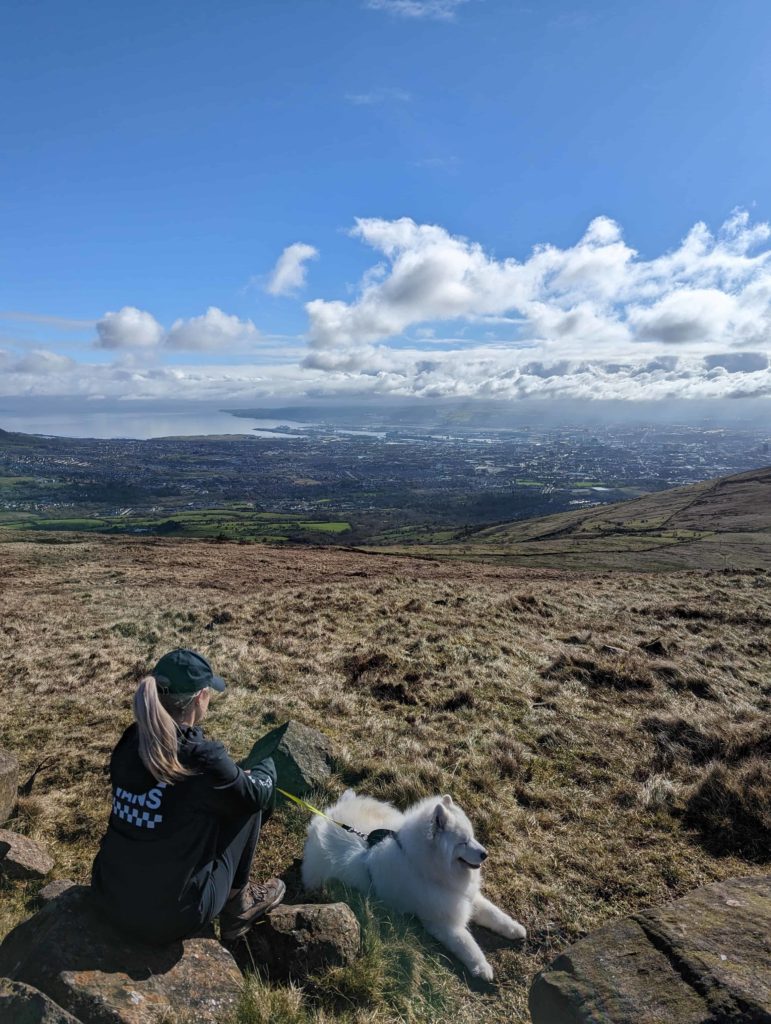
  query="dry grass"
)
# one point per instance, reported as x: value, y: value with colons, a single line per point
x: 598, y: 771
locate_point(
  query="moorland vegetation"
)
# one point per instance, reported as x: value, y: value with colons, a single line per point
x: 606, y: 732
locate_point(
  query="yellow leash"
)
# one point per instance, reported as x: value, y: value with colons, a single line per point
x: 321, y: 814
x: 304, y: 803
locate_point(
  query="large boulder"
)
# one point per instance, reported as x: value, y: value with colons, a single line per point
x: 54, y: 889
x: 293, y: 942
x: 23, y: 1004
x: 702, y: 959
x: 22, y: 857
x: 303, y: 759
x: 69, y: 951
x: 9, y: 784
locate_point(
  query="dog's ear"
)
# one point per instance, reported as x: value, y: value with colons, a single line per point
x: 441, y: 817
x: 447, y: 800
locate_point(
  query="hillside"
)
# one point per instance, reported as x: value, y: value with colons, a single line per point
x: 724, y: 523
x: 607, y: 733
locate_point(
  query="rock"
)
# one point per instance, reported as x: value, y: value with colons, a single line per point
x: 303, y: 759
x: 23, y: 1004
x: 70, y: 952
x: 655, y: 648
x: 293, y: 942
x: 9, y: 784
x: 54, y: 889
x: 611, y: 649
x: 702, y: 959
x: 22, y: 857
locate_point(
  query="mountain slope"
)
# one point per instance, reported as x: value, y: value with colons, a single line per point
x: 607, y: 733
x: 724, y: 523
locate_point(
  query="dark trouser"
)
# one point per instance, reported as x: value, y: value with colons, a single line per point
x: 201, y: 902
x: 203, y: 899
x: 230, y: 868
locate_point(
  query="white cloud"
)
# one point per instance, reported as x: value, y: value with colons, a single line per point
x: 213, y: 331
x: 129, y: 328
x: 137, y: 332
x: 595, y: 294
x: 738, y: 362
x: 437, y: 315
x: 367, y: 99
x: 439, y: 10
x: 432, y: 276
x: 42, y: 362
x: 690, y: 314
x: 484, y: 372
x: 590, y: 320
x: 289, y: 273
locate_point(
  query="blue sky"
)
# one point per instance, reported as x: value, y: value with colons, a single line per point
x: 158, y: 159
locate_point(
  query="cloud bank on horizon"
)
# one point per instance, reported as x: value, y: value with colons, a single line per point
x: 437, y: 315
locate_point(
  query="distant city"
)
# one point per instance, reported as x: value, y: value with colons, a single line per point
x: 324, y: 483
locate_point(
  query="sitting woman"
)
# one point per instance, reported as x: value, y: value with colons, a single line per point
x: 185, y: 819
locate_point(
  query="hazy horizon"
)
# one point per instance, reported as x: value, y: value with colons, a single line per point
x: 69, y: 417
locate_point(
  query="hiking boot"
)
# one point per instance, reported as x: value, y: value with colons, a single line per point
x: 251, y: 903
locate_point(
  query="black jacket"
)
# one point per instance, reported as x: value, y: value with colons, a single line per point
x: 162, y: 840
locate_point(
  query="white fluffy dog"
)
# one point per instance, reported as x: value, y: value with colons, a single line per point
x: 429, y: 867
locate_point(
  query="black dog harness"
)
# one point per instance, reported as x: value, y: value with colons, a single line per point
x: 380, y: 835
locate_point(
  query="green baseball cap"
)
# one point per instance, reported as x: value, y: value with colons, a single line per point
x: 183, y: 671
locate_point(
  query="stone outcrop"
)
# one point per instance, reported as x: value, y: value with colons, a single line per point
x: 9, y: 784
x: 294, y: 942
x: 23, y: 1004
x: 303, y: 759
x: 69, y: 952
x: 22, y: 857
x: 702, y: 959
x: 54, y: 889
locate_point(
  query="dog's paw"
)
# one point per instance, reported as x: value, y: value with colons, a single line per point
x: 512, y: 929
x: 483, y: 970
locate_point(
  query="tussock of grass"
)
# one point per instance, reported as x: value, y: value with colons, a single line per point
x: 658, y: 792
x: 396, y: 972
x: 261, y: 1003
x: 731, y: 807
x: 712, y: 738
x: 626, y: 672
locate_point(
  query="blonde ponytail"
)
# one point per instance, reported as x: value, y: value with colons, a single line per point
x: 157, y: 734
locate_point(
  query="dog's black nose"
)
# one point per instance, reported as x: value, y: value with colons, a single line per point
x: 483, y: 855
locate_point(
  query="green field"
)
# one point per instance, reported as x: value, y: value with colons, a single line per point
x: 13, y: 481
x: 236, y: 523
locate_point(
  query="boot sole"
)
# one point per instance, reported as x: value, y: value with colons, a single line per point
x: 229, y: 934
